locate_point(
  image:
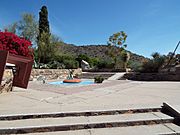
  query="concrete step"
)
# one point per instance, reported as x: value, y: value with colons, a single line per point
x: 82, y: 122
x: 74, y: 113
x: 161, y: 129
x: 116, y: 76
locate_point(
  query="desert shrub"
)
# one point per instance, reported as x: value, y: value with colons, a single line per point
x: 60, y: 61
x: 105, y: 64
x: 65, y: 61
x: 98, y: 79
x: 134, y: 66
x: 56, y: 65
x: 94, y: 62
x: 70, y: 63
x: 61, y: 57
x: 153, y: 65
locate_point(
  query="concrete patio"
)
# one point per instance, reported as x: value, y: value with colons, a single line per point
x: 116, y: 94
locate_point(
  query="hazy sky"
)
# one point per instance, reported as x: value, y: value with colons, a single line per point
x: 151, y: 25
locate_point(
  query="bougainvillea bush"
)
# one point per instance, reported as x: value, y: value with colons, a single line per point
x: 15, y: 45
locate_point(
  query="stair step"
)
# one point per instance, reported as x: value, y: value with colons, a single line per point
x: 82, y: 122
x: 161, y: 129
x: 71, y: 114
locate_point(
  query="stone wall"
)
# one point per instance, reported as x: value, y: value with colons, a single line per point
x: 6, y: 84
x: 50, y: 74
x: 169, y: 76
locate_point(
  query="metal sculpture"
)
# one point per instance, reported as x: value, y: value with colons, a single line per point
x: 20, y: 65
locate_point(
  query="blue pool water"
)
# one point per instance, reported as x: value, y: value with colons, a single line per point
x: 70, y: 84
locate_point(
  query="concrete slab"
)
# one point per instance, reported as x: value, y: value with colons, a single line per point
x: 84, y: 120
x: 110, y: 95
x: 135, y: 130
x: 116, y: 111
x: 129, y: 117
x: 116, y: 76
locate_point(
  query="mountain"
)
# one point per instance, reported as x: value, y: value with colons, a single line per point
x: 95, y: 51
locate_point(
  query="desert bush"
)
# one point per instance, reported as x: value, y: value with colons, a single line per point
x: 134, y: 66
x: 70, y: 63
x: 56, y: 65
x: 98, y: 79
x: 105, y: 64
x: 153, y: 65
x: 94, y: 61
x: 81, y: 57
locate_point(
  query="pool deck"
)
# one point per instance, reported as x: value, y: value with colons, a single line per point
x: 110, y: 95
x: 116, y: 94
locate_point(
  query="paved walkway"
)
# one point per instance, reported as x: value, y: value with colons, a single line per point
x: 116, y: 76
x: 109, y: 95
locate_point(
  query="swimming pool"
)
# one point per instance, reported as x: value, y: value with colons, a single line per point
x: 85, y: 82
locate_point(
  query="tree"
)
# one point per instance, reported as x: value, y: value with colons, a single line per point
x: 44, y: 48
x: 124, y: 56
x: 27, y: 27
x: 155, y: 55
x: 82, y: 57
x: 43, y: 21
x: 53, y: 48
x: 12, y: 28
x: 117, y: 47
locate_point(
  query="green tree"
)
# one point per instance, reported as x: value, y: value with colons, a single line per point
x: 155, y: 55
x: 45, y: 50
x: 117, y: 47
x: 124, y: 56
x: 54, y: 50
x: 12, y: 27
x: 82, y: 57
x: 55, y: 39
x: 27, y: 27
x: 43, y: 21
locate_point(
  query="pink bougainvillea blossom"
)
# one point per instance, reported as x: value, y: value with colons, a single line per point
x: 15, y: 45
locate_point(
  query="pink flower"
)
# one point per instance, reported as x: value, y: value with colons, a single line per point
x: 15, y: 45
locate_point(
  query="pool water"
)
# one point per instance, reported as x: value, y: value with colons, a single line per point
x: 70, y: 84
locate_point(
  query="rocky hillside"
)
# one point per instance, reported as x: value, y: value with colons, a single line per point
x: 94, y: 51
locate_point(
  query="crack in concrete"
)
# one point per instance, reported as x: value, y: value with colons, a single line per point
x: 89, y: 130
x: 170, y: 128
x: 49, y: 98
x: 43, y: 100
x: 164, y: 124
x: 28, y: 97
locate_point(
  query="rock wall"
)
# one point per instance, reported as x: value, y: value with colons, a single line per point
x: 169, y: 76
x: 50, y: 74
x: 172, y: 74
x: 6, y: 84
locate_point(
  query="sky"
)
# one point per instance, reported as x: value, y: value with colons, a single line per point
x: 151, y: 25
